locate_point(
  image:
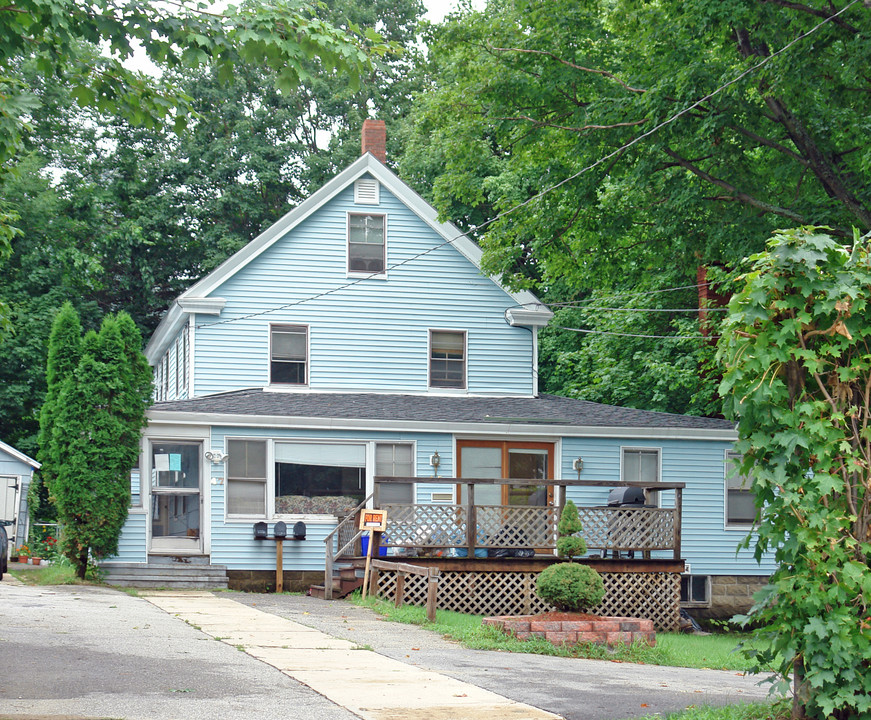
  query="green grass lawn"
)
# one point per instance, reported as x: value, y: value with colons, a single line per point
x: 716, y: 651
x: 756, y: 711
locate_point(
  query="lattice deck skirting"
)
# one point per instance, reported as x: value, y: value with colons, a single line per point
x: 651, y: 595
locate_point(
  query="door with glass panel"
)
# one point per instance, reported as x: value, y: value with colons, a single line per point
x: 491, y: 459
x: 176, y: 497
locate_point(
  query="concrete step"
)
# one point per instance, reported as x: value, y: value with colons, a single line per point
x: 176, y: 575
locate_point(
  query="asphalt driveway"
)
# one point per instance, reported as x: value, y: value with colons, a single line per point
x: 98, y: 652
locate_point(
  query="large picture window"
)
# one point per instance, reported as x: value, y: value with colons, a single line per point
x: 366, y: 243
x: 447, y: 359
x: 319, y: 478
x: 288, y: 355
x: 740, y: 498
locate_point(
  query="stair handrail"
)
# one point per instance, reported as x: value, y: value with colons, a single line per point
x: 329, y: 558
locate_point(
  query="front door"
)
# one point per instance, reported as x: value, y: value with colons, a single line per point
x: 176, y: 497
x: 492, y: 459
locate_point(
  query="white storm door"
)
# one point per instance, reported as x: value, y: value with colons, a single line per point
x: 176, y: 497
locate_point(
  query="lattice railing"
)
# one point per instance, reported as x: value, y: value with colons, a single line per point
x: 651, y: 595
x: 613, y: 528
x: 534, y: 527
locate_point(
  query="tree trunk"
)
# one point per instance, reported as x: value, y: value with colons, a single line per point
x: 82, y: 564
x: 800, y: 691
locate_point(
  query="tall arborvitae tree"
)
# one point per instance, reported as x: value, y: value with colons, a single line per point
x: 64, y: 353
x: 96, y: 434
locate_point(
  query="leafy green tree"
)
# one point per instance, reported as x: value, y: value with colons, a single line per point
x: 64, y: 353
x: 796, y: 349
x: 531, y: 110
x: 96, y: 435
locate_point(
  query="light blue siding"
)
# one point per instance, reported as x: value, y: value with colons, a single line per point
x: 131, y: 546
x: 232, y: 542
x: 707, y: 545
x: 372, y: 335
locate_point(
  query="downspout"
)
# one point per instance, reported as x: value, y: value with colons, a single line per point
x: 535, y: 361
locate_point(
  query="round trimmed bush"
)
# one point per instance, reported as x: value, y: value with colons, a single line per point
x: 570, y: 586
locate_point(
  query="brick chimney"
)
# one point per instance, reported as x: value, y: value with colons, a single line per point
x: 375, y: 139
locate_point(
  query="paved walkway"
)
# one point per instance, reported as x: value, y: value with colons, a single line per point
x: 93, y: 652
x: 369, y: 685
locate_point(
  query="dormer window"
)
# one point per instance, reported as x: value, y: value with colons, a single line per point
x: 366, y: 235
x: 288, y: 355
x: 447, y: 359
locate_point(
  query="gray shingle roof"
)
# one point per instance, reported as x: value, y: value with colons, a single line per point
x: 545, y: 409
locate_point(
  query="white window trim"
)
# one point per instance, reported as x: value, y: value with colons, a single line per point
x: 382, y: 275
x: 448, y: 390
x: 370, y: 455
x: 270, y: 475
x: 308, y: 364
x: 744, y: 527
x: 250, y: 517
x: 698, y: 603
x: 640, y: 448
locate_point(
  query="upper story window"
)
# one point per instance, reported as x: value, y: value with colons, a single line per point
x: 366, y: 243
x: 288, y: 360
x: 740, y: 498
x: 447, y: 359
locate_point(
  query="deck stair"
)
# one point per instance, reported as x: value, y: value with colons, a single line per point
x: 183, y: 573
x: 346, y: 579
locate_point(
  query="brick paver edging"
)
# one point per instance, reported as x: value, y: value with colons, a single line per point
x: 604, y: 630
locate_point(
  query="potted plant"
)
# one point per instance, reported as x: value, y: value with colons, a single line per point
x: 23, y: 553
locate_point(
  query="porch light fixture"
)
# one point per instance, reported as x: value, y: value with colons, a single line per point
x: 578, y: 466
x: 435, y: 461
x: 216, y: 458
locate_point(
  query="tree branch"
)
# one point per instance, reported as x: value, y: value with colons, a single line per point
x: 768, y: 143
x: 738, y: 194
x: 540, y: 123
x: 551, y: 55
x: 815, y: 12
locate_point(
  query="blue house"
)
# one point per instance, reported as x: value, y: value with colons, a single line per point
x: 358, y: 338
x: 16, y: 474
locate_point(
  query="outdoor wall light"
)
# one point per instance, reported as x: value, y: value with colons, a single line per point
x: 280, y: 530
x: 435, y: 460
x: 299, y: 531
x: 216, y: 457
x: 260, y: 530
x: 578, y: 466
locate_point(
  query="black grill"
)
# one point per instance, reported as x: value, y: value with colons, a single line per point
x: 626, y: 497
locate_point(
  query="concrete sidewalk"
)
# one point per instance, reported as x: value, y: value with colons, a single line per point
x: 366, y: 683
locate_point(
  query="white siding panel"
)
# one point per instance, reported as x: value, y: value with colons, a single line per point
x: 372, y: 334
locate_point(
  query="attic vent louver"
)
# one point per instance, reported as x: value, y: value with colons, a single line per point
x: 366, y: 192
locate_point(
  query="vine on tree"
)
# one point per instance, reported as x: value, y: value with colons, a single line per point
x: 796, y: 349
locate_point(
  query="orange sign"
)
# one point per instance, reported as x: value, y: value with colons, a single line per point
x: 373, y: 520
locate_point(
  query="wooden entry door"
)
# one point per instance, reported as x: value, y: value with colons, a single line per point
x: 496, y: 459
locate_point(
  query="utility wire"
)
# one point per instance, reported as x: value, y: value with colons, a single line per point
x: 636, y: 335
x: 555, y: 186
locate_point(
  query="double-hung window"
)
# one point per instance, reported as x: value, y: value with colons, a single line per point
x: 740, y: 498
x: 288, y: 355
x: 246, y: 477
x: 447, y: 359
x: 366, y: 243
x: 395, y: 460
x: 641, y: 465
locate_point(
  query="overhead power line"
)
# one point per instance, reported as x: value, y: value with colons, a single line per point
x: 555, y: 186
